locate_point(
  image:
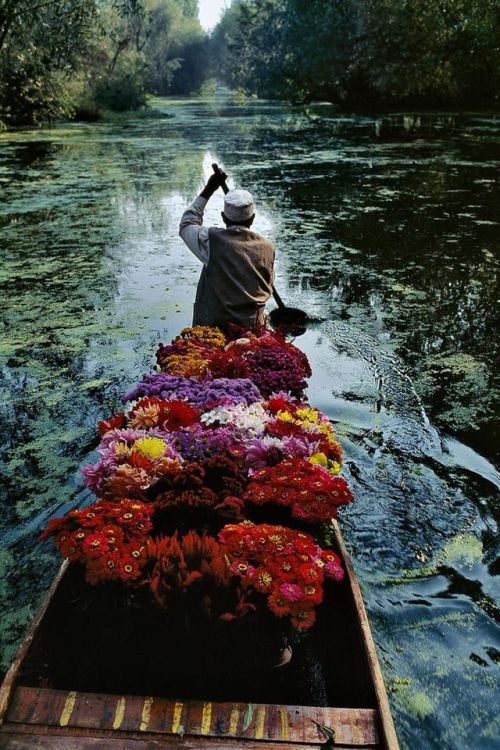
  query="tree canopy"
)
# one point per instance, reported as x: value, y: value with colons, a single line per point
x: 84, y: 56
x: 80, y: 56
x: 364, y: 52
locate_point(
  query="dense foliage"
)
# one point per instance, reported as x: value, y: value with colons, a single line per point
x: 364, y: 52
x: 83, y: 56
x: 80, y: 57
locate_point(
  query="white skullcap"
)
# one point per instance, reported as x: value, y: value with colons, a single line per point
x: 238, y: 205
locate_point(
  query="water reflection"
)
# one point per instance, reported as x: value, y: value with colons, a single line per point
x: 386, y: 227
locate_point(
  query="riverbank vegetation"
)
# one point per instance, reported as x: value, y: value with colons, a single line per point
x: 82, y: 57
x: 364, y: 53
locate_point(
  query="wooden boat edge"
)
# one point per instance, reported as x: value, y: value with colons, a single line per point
x: 387, y: 728
x: 8, y: 684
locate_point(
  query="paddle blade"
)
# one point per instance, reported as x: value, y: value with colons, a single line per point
x: 289, y: 320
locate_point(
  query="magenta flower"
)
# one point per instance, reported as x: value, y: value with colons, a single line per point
x: 291, y: 591
x: 334, y: 570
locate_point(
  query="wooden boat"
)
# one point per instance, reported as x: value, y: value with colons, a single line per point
x: 42, y: 710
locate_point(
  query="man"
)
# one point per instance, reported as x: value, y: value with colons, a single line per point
x: 238, y: 264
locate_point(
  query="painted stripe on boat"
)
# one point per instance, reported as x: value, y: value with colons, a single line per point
x: 68, y: 708
x: 285, y: 729
x: 119, y: 713
x: 259, y: 722
x: 176, y: 722
x: 234, y: 720
x: 206, y: 718
x: 146, y: 714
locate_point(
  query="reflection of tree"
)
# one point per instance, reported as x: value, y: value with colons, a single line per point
x: 393, y: 226
x: 59, y: 282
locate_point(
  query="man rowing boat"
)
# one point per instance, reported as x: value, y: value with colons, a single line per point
x: 238, y: 264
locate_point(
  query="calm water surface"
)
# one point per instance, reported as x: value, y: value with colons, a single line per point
x: 388, y: 229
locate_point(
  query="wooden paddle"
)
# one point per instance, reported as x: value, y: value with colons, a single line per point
x: 288, y: 319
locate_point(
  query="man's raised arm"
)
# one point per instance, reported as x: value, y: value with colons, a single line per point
x: 191, y: 228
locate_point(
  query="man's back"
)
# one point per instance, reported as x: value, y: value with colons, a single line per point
x: 238, y: 264
x: 237, y: 281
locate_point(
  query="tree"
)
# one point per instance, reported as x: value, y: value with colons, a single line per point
x: 363, y: 52
x: 41, y: 44
x: 83, y: 56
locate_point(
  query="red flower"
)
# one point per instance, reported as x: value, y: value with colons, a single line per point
x: 113, y: 423
x: 228, y: 364
x: 152, y: 411
x: 278, y: 605
x: 277, y: 404
x: 139, y: 461
x: 310, y: 492
x: 303, y: 618
x: 177, y: 414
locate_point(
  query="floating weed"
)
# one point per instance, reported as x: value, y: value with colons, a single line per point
x: 464, y: 550
x: 417, y: 704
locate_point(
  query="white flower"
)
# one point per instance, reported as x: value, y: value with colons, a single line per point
x: 251, y: 418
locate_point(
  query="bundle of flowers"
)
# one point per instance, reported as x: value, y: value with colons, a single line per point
x: 268, y: 360
x: 199, y: 393
x: 219, y: 436
x: 201, y: 441
x: 250, y: 419
x: 109, y: 538
x: 285, y: 565
x: 209, y: 336
x: 190, y: 352
x: 294, y: 419
x: 184, y: 357
x: 217, y: 483
x: 132, y: 461
x: 192, y: 573
x: 311, y: 493
x: 273, y: 363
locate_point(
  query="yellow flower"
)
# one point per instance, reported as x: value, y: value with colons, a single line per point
x: 208, y: 334
x: 151, y: 447
x: 326, y: 428
x: 334, y: 467
x: 308, y: 414
x: 319, y: 459
x: 285, y: 416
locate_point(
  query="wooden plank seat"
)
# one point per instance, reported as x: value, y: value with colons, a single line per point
x: 59, y: 712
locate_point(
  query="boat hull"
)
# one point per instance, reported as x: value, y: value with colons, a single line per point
x: 64, y: 709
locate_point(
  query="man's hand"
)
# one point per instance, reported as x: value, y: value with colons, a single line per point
x: 214, y: 183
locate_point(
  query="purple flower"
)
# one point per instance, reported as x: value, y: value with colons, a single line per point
x: 197, y: 443
x: 199, y: 393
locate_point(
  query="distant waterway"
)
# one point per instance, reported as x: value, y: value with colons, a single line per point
x: 388, y: 229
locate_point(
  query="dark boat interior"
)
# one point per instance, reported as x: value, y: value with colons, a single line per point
x: 109, y: 646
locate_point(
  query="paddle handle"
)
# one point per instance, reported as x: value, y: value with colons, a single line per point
x: 225, y: 189
x: 218, y: 170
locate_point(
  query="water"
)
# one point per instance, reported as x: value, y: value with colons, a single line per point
x: 388, y: 228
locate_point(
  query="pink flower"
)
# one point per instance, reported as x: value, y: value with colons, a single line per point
x: 263, y: 451
x: 291, y: 591
x: 295, y: 447
x: 93, y: 477
x: 334, y: 570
